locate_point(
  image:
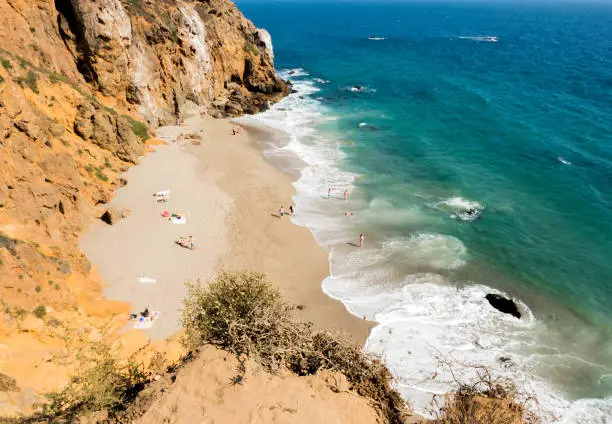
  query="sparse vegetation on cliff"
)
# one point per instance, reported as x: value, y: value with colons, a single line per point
x: 104, y: 383
x: 244, y: 314
x: 485, y: 400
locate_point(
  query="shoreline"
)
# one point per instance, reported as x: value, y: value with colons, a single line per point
x: 230, y: 194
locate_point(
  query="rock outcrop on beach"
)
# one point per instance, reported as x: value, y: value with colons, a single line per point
x: 82, y: 83
x: 503, y: 304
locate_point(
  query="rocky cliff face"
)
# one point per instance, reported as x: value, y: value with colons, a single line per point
x: 156, y: 55
x: 78, y: 81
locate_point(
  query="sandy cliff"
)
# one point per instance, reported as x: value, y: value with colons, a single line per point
x: 80, y: 83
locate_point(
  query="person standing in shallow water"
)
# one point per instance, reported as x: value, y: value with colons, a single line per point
x: 281, y: 211
x: 361, y: 240
x: 345, y: 194
x: 291, y: 209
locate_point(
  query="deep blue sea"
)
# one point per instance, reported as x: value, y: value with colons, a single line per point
x: 505, y: 109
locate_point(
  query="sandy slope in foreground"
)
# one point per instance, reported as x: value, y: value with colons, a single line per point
x: 229, y: 195
x: 211, y: 397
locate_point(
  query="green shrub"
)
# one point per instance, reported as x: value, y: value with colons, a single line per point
x: 101, y: 176
x: 32, y: 30
x: 1, y: 79
x: 140, y: 128
x: 31, y: 81
x: 6, y: 64
x: 40, y: 311
x: 250, y: 48
x: 244, y: 314
x: 38, y: 289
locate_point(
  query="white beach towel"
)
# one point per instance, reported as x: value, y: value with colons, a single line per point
x: 146, y: 280
x: 178, y: 220
x: 162, y: 196
x: 143, y: 323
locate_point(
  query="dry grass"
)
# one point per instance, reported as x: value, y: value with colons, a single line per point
x: 486, y: 400
x: 103, y: 383
x: 244, y: 314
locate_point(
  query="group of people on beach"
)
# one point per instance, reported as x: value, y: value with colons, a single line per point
x: 282, y: 212
x: 348, y: 213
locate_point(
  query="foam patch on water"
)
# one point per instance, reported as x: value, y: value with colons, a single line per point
x: 359, y: 89
x: 422, y: 316
x: 293, y: 73
x: 431, y: 250
x: 458, y: 207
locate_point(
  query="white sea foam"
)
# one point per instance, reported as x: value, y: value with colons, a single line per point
x: 485, y: 38
x: 321, y: 80
x: 377, y: 38
x: 359, y: 89
x: 457, y: 207
x: 293, y: 73
x: 563, y: 161
x: 431, y: 250
x: 421, y: 316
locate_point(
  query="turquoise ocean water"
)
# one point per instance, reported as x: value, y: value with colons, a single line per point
x: 430, y: 119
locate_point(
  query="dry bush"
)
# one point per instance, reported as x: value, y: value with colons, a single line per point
x: 486, y: 400
x: 244, y: 314
x: 103, y: 383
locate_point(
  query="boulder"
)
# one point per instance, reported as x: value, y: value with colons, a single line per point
x: 503, y: 304
x: 30, y: 129
x: 265, y: 40
x: 57, y: 130
x: 111, y: 216
x: 234, y: 108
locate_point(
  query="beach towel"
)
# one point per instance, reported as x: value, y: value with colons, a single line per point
x: 143, y: 323
x: 146, y: 280
x: 178, y: 220
x: 162, y: 196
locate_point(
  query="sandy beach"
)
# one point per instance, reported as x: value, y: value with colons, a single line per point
x: 230, y: 197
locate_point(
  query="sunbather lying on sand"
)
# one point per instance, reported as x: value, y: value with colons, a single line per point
x: 144, y: 314
x: 186, y: 242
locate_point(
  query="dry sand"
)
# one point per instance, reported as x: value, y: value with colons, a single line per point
x: 229, y: 195
x: 210, y: 397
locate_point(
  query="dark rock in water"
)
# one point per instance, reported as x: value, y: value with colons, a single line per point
x: 357, y: 87
x: 293, y: 91
x: 504, y: 305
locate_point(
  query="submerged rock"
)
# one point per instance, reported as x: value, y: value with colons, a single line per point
x: 503, y: 304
